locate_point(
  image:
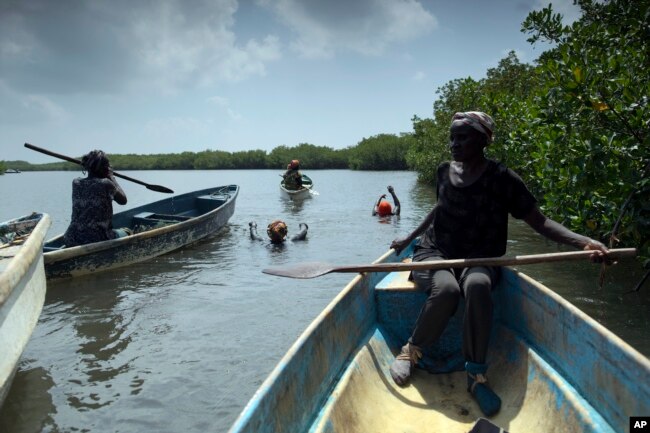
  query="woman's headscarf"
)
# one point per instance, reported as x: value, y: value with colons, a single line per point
x: 478, y: 120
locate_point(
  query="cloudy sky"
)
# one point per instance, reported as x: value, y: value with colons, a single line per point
x: 163, y: 76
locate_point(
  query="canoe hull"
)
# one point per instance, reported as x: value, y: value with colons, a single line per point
x: 555, y: 368
x: 298, y: 194
x: 194, y: 224
x: 22, y: 295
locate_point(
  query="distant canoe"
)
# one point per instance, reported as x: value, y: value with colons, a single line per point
x: 12, y: 171
x: 298, y: 194
x: 555, y: 368
x: 22, y: 289
x: 159, y: 227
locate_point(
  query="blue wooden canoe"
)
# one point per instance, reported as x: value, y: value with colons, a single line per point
x: 159, y: 227
x: 22, y: 289
x: 298, y: 194
x: 555, y: 368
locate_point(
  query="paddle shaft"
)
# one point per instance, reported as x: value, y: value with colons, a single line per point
x: 157, y: 188
x: 316, y: 269
x: 489, y: 261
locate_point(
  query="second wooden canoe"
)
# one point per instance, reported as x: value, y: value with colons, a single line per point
x: 298, y: 194
x: 159, y: 227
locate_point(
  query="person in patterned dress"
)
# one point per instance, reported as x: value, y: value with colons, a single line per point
x: 92, y: 203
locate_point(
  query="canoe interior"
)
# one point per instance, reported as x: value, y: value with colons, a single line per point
x: 555, y: 369
x: 307, y: 184
x: 164, y: 212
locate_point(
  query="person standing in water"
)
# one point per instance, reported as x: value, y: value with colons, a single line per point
x: 277, y: 232
x: 383, y: 207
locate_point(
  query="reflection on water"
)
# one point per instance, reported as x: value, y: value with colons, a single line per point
x: 181, y: 342
x: 29, y: 405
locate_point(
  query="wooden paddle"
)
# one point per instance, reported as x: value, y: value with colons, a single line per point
x: 157, y: 188
x: 316, y: 269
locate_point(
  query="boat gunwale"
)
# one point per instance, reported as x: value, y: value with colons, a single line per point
x: 86, y: 249
x: 297, y: 192
x: 265, y: 389
x: 256, y: 410
x: 22, y: 261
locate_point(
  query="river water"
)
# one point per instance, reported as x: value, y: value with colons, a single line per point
x: 181, y: 342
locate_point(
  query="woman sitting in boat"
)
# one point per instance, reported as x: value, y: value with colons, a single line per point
x: 470, y: 220
x: 92, y: 198
x: 277, y: 232
x: 293, y: 176
x: 383, y: 207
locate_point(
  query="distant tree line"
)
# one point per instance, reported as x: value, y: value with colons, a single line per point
x: 381, y: 152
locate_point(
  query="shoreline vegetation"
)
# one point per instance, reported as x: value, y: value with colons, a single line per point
x: 574, y: 125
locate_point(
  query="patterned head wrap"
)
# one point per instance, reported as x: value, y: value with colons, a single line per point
x: 478, y: 120
x: 277, y: 231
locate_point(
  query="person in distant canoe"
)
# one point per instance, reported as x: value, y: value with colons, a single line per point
x: 470, y: 220
x: 92, y: 203
x: 293, y: 176
x: 383, y: 207
x: 277, y: 232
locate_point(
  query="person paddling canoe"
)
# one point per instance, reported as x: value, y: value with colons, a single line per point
x: 92, y: 198
x: 292, y: 176
x: 470, y: 220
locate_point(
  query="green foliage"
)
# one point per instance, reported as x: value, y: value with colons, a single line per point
x: 575, y: 126
x: 384, y: 152
x: 3, y: 167
x: 591, y: 122
x: 310, y: 156
x: 381, y: 152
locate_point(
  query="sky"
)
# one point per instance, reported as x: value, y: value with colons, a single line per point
x: 169, y: 76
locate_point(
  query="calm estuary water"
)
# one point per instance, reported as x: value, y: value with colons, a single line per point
x: 180, y: 343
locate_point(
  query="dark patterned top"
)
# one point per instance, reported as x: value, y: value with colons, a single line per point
x: 472, y: 221
x: 92, y: 211
x: 292, y: 179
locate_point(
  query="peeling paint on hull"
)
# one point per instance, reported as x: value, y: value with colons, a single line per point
x: 555, y: 369
x: 22, y: 295
x: 192, y: 216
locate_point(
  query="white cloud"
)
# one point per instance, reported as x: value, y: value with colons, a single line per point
x: 323, y: 28
x: 17, y: 109
x: 224, y: 104
x: 105, y: 47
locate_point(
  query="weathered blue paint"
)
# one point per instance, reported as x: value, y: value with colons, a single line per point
x: 177, y: 221
x: 555, y: 368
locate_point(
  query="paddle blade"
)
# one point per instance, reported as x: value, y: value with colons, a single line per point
x: 300, y: 270
x: 160, y: 188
